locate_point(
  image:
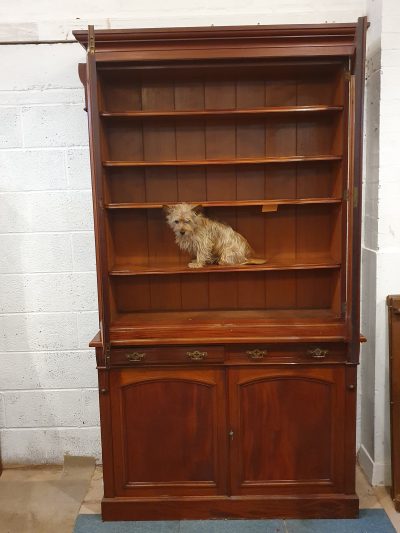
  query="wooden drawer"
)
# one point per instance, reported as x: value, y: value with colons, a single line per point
x: 139, y: 355
x: 300, y: 353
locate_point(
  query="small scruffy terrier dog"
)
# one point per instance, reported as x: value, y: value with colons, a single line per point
x: 208, y: 241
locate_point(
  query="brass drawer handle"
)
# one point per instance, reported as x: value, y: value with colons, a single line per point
x: 318, y: 353
x: 135, y: 356
x: 256, y: 354
x: 196, y: 355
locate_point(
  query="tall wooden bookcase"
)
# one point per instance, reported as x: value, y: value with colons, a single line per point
x: 227, y: 391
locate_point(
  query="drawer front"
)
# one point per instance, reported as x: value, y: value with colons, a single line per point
x: 299, y: 353
x: 190, y: 355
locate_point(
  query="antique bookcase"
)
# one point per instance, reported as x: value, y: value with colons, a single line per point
x: 227, y: 391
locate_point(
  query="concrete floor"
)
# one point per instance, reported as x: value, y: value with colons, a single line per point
x: 44, y: 499
x: 47, y: 499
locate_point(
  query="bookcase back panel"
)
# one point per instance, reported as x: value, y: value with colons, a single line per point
x: 202, y: 139
x: 221, y: 86
x: 155, y: 114
x: 246, y: 182
x: 314, y: 289
x: 141, y: 237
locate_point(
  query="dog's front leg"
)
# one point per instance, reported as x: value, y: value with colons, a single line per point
x: 202, y: 250
x: 202, y: 258
x: 198, y: 262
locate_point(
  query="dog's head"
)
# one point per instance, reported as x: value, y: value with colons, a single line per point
x: 183, y: 218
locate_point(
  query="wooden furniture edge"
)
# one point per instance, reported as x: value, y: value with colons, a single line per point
x: 393, y: 305
x: 216, y: 32
x: 255, y: 507
x: 96, y: 342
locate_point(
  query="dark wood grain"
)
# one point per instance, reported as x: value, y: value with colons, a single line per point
x: 182, y: 409
x: 273, y: 203
x: 208, y: 162
x: 310, y: 262
x: 300, y: 506
x: 393, y: 303
x: 288, y: 434
x: 359, y: 83
x: 222, y: 112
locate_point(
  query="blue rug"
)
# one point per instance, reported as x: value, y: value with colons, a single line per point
x: 370, y: 521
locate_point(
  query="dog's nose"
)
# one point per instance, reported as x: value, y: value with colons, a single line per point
x: 182, y: 232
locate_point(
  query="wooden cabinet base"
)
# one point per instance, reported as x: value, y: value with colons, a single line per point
x: 254, y: 507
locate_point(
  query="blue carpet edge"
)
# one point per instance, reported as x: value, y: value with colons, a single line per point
x: 369, y: 521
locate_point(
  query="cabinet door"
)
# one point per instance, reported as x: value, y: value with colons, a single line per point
x: 169, y: 431
x: 287, y: 430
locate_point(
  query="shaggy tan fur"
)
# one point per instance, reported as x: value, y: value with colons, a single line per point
x: 206, y: 240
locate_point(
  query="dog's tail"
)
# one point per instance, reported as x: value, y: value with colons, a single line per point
x: 254, y: 261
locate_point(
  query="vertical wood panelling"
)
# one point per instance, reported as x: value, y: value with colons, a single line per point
x: 250, y: 183
x: 221, y: 183
x: 280, y: 234
x: 223, y: 291
x: 132, y: 294
x: 190, y: 142
x: 157, y: 95
x: 280, y: 290
x: 195, y: 292
x: 316, y: 136
x: 124, y: 141
x: 280, y: 181
x: 126, y: 185
x: 120, y: 94
x: 129, y: 233
x: 314, y: 289
x: 189, y: 95
x: 280, y: 92
x: 315, y: 180
x: 161, y: 245
x: 251, y: 287
x: 219, y: 94
x: 314, y: 230
x: 192, y: 185
x: 159, y: 141
x: 251, y: 291
x: 220, y: 138
x: 317, y: 91
x: 165, y: 293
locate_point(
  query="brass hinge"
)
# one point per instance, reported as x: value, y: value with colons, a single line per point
x: 347, y: 75
x: 346, y: 195
x: 355, y: 197
x: 91, y: 44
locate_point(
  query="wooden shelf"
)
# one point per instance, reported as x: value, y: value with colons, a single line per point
x: 232, y: 203
x: 301, y: 263
x: 211, y: 162
x: 218, y: 326
x: 223, y: 112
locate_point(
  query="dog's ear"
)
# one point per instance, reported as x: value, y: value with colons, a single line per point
x: 167, y: 208
x: 197, y: 209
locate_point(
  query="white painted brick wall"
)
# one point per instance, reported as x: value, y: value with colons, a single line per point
x: 381, y: 254
x: 32, y: 170
x: 48, y: 382
x: 10, y: 127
